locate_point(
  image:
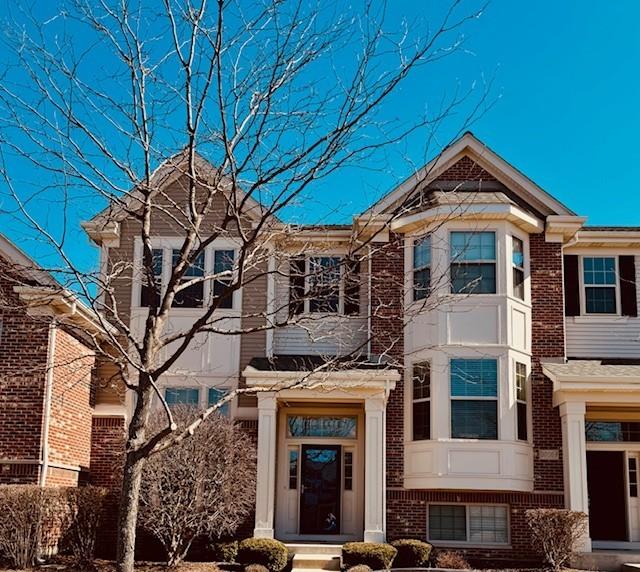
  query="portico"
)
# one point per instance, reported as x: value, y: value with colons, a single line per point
x: 321, y: 453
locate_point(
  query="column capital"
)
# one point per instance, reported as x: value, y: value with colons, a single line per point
x: 572, y: 408
x: 267, y: 401
x: 375, y: 404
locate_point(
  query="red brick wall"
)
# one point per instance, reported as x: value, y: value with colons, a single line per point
x: 71, y: 411
x: 547, y: 341
x: 466, y: 170
x: 387, y: 340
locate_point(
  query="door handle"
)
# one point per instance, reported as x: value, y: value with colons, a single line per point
x: 301, y: 489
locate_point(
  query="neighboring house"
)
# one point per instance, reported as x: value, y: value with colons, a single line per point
x: 499, y: 364
x: 50, y: 423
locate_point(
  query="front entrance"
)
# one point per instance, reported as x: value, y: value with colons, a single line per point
x: 607, y: 495
x: 320, y: 489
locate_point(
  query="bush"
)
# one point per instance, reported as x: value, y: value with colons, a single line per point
x: 85, y: 506
x: 255, y: 568
x: 377, y: 556
x: 555, y: 533
x: 452, y: 560
x: 411, y: 553
x: 32, y: 518
x: 265, y: 551
x: 360, y: 568
x: 224, y: 551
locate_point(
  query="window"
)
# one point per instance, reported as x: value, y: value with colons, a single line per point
x: 421, y: 401
x: 182, y: 396
x: 421, y: 267
x: 616, y: 431
x: 324, y: 284
x: 477, y: 524
x: 474, y: 398
x: 214, y: 395
x: 223, y: 262
x: 322, y: 426
x: 517, y: 259
x: 191, y: 296
x: 293, y: 469
x: 348, y: 470
x: 599, y: 276
x: 521, y: 400
x: 633, y: 477
x: 147, y: 292
x: 473, y: 262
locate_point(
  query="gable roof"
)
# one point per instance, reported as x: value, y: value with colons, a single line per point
x: 470, y: 146
x: 166, y: 173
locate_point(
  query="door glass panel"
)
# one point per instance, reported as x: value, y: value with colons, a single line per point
x: 322, y: 426
x: 320, y: 491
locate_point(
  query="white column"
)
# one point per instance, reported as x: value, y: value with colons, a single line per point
x: 574, y: 448
x: 374, y: 470
x: 266, y: 475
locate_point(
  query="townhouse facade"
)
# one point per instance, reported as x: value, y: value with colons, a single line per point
x: 490, y: 342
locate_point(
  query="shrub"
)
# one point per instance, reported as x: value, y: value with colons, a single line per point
x: 85, y: 506
x: 411, y: 553
x: 224, y: 551
x: 360, y: 568
x: 555, y: 532
x: 452, y: 560
x: 265, y: 551
x: 377, y: 556
x: 32, y: 518
x: 255, y: 568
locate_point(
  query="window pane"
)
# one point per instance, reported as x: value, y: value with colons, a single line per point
x: 521, y: 381
x: 473, y: 278
x: 192, y: 296
x: 421, y: 283
x: 223, y: 261
x: 421, y: 381
x: 422, y: 252
x: 182, y: 396
x: 474, y: 378
x: 473, y: 246
x: 293, y: 469
x: 599, y: 270
x: 517, y: 252
x: 522, y: 421
x: 472, y: 419
x: 518, y: 283
x: 488, y: 524
x: 216, y: 395
x: 421, y: 420
x: 627, y: 431
x: 600, y: 300
x: 447, y: 522
x: 348, y: 470
x: 302, y: 426
x: 146, y: 291
x: 324, y: 282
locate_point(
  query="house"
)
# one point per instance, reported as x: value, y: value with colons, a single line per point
x: 50, y: 426
x: 493, y: 361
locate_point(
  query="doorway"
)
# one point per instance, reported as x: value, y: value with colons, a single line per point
x: 607, y: 495
x: 320, y: 489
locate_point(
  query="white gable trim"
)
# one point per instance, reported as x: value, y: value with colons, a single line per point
x: 469, y: 145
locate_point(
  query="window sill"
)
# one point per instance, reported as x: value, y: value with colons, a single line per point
x: 599, y: 318
x: 460, y: 544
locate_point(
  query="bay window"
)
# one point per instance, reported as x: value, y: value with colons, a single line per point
x: 473, y: 262
x: 474, y: 398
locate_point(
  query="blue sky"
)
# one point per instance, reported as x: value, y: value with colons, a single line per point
x: 566, y: 87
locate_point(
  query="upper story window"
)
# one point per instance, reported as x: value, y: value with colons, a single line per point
x: 600, y: 283
x: 192, y: 296
x: 517, y: 260
x: 473, y: 262
x: 474, y: 398
x: 223, y: 267
x: 421, y: 411
x: 521, y: 400
x: 421, y: 267
x: 324, y: 284
x: 147, y: 292
x: 182, y: 396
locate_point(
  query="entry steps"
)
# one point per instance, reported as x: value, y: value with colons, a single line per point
x: 307, y: 557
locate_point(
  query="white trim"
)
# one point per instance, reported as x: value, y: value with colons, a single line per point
x: 44, y: 445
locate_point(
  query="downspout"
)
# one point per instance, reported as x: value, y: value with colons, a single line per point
x: 369, y: 332
x: 44, y: 454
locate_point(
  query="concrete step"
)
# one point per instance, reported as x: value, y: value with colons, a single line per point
x: 315, y: 562
x: 328, y: 549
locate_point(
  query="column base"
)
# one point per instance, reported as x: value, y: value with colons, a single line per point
x: 374, y: 536
x: 263, y: 532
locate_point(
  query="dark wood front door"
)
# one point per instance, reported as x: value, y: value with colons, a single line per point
x: 607, y: 495
x: 320, y: 491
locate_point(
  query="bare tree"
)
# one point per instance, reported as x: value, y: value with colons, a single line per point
x: 203, y: 485
x: 104, y: 97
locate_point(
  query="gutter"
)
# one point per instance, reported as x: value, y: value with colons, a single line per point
x: 44, y: 448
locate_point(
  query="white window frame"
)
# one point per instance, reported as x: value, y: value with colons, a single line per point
x: 496, y: 236
x: 167, y: 245
x: 527, y: 399
x: 414, y: 268
x: 583, y: 286
x: 522, y: 268
x: 469, y: 543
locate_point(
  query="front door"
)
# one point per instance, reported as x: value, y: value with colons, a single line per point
x: 607, y: 495
x: 320, y: 490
